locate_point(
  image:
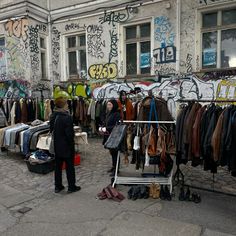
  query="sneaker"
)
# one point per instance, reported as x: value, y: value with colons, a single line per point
x: 59, y: 189
x: 74, y: 189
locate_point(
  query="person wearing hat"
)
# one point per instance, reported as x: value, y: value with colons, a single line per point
x: 61, y: 124
x: 112, y: 118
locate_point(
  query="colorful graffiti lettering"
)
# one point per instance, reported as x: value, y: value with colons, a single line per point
x: 72, y: 90
x: 100, y: 71
x: 14, y: 89
x: 18, y: 28
x: 226, y: 89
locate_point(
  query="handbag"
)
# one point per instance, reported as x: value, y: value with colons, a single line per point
x: 136, y: 146
x: 116, y: 137
x: 44, y: 142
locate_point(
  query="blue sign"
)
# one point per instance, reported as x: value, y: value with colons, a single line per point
x: 209, y: 57
x: 145, y: 60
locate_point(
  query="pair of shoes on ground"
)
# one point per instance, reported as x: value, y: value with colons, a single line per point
x: 138, y: 192
x: 165, y: 193
x: 154, y: 191
x: 187, y: 196
x: 70, y: 190
x: 110, y: 193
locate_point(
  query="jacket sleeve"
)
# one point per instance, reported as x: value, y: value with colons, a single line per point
x: 69, y: 130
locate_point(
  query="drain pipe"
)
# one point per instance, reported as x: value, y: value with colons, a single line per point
x: 178, y: 44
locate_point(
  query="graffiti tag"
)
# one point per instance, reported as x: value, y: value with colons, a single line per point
x: 100, y: 71
x: 18, y: 28
x: 164, y: 55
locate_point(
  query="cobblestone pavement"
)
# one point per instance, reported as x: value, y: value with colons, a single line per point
x: 95, y: 161
x: 15, y: 174
x: 33, y: 190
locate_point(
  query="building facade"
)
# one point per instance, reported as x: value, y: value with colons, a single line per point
x: 186, y: 47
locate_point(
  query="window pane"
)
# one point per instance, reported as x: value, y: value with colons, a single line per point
x: 83, y: 66
x: 2, y: 42
x: 131, y: 59
x: 145, y: 57
x: 228, y: 48
x: 71, y: 42
x: 43, y: 65
x: 72, y: 63
x: 229, y: 17
x: 145, y: 30
x: 131, y: 32
x: 209, y: 20
x: 82, y: 40
x: 42, y: 43
x: 209, y: 47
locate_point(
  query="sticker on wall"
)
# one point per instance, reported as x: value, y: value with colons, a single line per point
x: 209, y: 57
x: 145, y: 60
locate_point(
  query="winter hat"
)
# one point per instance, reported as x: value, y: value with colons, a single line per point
x: 60, y: 102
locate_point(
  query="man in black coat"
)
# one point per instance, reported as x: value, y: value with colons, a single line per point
x: 61, y: 124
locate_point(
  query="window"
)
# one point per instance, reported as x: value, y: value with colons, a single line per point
x: 219, y: 39
x: 138, y: 48
x: 43, y: 58
x: 76, y: 52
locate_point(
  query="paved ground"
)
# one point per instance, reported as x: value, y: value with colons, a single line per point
x: 82, y: 213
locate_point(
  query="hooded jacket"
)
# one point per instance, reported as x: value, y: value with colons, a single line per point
x: 61, y: 124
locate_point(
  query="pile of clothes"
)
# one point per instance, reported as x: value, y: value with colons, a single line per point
x: 40, y: 157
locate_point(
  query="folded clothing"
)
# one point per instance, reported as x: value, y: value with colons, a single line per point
x: 40, y: 157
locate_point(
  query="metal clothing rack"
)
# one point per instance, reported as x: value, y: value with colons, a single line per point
x: 143, y: 180
x: 178, y: 172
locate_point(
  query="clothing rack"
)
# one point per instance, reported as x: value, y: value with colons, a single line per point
x: 179, y: 174
x: 143, y: 180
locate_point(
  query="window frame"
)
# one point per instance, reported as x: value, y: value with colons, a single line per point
x: 138, y: 46
x: 76, y: 49
x: 218, y: 28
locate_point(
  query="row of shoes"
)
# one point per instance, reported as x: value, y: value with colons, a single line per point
x: 153, y: 191
x: 187, y: 196
x: 138, y: 192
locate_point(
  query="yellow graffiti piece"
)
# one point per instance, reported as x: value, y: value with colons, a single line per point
x: 70, y: 89
x: 226, y: 90
x: 61, y: 94
x: 80, y: 91
x: 100, y: 71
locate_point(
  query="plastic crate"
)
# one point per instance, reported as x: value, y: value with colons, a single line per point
x: 43, y: 168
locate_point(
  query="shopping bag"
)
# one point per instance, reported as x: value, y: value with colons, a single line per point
x: 51, y: 144
x: 115, y: 138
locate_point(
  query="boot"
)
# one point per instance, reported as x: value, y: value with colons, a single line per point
x: 151, y: 190
x: 126, y: 159
x: 156, y: 191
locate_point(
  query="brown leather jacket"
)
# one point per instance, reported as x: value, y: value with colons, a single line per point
x: 216, y: 138
x: 196, y: 133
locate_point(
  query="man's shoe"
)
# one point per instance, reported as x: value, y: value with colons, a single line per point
x: 59, y: 189
x: 111, y: 170
x: 74, y: 189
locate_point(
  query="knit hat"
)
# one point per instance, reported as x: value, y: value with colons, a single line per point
x: 60, y: 102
